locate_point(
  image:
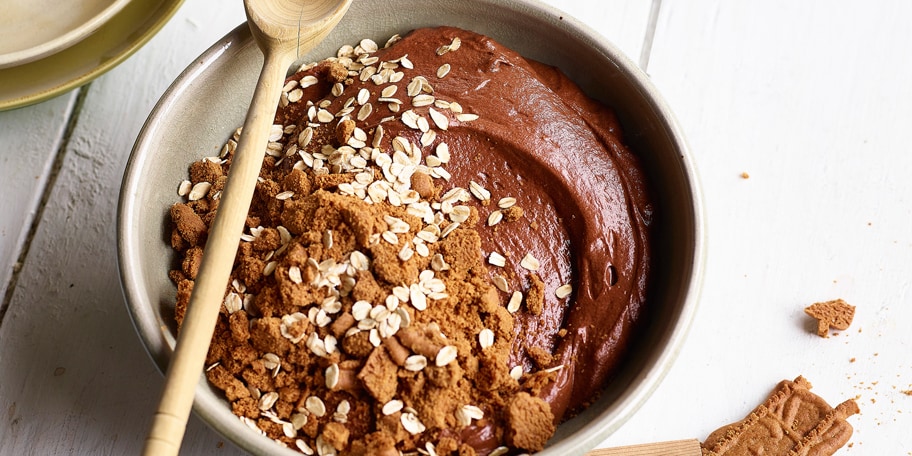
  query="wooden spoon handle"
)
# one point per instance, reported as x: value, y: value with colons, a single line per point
x: 218, y: 259
x: 689, y: 447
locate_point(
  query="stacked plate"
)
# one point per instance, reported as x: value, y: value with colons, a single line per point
x: 48, y: 47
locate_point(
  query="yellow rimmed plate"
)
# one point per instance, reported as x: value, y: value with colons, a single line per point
x: 114, y: 41
x: 32, y: 29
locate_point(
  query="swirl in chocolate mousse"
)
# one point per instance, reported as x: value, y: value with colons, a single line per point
x: 449, y: 246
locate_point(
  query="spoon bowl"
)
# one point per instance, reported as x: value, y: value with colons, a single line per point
x: 292, y: 25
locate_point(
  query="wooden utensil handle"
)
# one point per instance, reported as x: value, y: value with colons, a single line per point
x: 689, y: 447
x: 168, y: 426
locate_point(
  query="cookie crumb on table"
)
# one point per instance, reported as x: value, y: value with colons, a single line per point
x: 831, y: 314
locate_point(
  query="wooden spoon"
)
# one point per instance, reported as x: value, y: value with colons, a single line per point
x: 689, y: 447
x: 284, y: 30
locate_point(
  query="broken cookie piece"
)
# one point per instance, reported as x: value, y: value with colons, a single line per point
x: 529, y: 422
x: 836, y: 314
x: 792, y: 421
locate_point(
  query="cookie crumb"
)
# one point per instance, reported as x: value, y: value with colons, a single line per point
x: 512, y: 214
x: 529, y: 422
x: 535, y: 299
x: 422, y: 183
x: 541, y: 357
x: 336, y: 434
x: 835, y: 314
x: 188, y: 224
x: 336, y: 72
x: 344, y: 131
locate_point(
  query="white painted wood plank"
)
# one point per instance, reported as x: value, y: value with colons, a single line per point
x: 623, y: 22
x: 813, y: 101
x: 75, y: 378
x: 29, y: 139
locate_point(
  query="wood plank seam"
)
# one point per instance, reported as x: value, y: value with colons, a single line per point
x: 651, y: 26
x: 38, y: 213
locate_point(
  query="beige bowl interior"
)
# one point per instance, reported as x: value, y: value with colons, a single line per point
x: 208, y: 102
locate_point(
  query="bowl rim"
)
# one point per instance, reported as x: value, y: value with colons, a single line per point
x: 644, y: 383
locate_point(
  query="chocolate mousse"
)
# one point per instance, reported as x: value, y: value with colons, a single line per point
x: 448, y: 250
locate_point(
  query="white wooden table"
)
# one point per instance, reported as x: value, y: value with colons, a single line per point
x: 813, y: 100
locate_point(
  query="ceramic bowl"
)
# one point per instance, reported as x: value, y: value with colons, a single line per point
x: 208, y: 102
